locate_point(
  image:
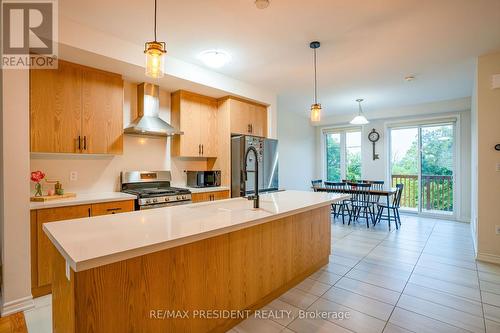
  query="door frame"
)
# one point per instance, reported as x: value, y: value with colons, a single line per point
x: 419, y: 123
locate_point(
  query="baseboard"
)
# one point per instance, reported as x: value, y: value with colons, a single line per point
x: 492, y: 258
x: 18, y: 305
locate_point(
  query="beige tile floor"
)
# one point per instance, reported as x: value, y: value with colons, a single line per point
x: 421, y: 278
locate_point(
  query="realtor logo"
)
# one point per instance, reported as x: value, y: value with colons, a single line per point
x: 29, y: 34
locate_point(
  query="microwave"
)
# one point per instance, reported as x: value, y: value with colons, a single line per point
x: 203, y: 178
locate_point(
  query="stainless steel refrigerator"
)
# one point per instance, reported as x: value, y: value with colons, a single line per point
x: 268, y: 165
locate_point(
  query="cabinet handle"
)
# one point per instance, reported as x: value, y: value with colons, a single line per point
x: 79, y: 142
x: 84, y: 142
x: 249, y: 128
x: 202, y: 149
x: 199, y: 149
x: 90, y: 214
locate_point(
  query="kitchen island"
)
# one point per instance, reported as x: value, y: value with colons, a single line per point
x: 190, y: 268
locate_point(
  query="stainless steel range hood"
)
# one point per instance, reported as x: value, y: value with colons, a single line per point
x: 148, y: 121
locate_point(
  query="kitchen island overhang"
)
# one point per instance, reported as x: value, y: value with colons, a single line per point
x: 196, y: 258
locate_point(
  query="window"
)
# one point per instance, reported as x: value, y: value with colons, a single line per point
x: 343, y: 154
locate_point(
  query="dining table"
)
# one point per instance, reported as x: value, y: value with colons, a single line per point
x: 386, y: 192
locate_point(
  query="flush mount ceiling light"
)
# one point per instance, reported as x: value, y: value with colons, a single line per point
x: 315, y: 107
x: 215, y: 58
x: 262, y: 4
x: 155, y: 54
x: 360, y: 119
x: 409, y: 78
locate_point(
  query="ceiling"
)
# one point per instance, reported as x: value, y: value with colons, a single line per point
x: 368, y: 47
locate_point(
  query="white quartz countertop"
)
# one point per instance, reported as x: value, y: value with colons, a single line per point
x: 95, y: 241
x: 206, y: 189
x: 82, y: 199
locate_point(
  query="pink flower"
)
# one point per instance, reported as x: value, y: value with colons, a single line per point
x: 37, y: 176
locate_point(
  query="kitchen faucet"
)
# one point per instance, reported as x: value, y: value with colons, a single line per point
x: 254, y: 197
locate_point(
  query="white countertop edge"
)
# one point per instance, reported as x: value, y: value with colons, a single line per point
x: 132, y: 253
x: 83, y: 199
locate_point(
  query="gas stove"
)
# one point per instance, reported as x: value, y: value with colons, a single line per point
x: 152, y: 189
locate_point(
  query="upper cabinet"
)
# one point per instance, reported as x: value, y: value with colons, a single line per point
x: 247, y: 117
x: 76, y: 109
x: 196, y: 116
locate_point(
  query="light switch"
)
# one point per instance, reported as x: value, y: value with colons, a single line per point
x: 495, y: 81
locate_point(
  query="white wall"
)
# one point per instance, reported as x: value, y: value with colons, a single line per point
x: 14, y: 192
x: 297, y: 144
x: 378, y: 169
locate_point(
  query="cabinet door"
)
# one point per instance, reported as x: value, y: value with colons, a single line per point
x: 45, y: 248
x: 108, y: 208
x: 55, y: 108
x: 208, y: 128
x: 240, y: 115
x: 220, y: 195
x: 102, y: 124
x: 258, y: 120
x: 190, y: 124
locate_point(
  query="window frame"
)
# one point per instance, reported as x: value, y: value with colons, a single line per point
x: 343, y: 148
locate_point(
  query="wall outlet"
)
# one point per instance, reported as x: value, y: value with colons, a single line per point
x: 73, y: 176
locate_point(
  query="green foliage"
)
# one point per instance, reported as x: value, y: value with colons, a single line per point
x: 333, y: 158
x: 437, y: 160
x: 353, y: 165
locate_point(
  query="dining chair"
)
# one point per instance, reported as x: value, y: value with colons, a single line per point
x: 377, y: 185
x: 338, y: 208
x: 360, y: 202
x: 316, y: 183
x: 394, y: 207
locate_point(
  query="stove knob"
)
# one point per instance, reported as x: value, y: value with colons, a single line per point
x: 155, y: 200
x: 167, y: 199
x: 179, y: 197
x: 148, y: 201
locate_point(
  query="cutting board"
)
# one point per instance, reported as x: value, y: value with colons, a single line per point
x: 53, y: 197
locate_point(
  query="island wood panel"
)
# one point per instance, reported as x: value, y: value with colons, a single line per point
x: 244, y: 269
x: 55, y: 108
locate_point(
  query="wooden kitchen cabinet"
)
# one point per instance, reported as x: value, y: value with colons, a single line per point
x: 76, y: 109
x: 42, y: 250
x: 247, y: 117
x: 116, y: 207
x: 210, y: 196
x: 196, y: 116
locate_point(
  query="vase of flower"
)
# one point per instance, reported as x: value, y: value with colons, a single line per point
x: 37, y: 177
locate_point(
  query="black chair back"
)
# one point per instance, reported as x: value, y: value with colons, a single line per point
x: 316, y: 183
x: 397, y: 196
x: 362, y: 192
x: 335, y: 187
x: 376, y: 185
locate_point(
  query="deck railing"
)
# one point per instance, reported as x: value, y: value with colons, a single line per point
x: 437, y: 191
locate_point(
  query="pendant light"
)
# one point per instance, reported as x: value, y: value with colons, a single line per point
x: 360, y: 119
x: 155, y: 56
x: 316, y: 107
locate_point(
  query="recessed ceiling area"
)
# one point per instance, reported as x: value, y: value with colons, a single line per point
x: 367, y: 47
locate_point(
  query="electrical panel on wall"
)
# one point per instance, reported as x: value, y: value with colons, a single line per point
x: 495, y: 81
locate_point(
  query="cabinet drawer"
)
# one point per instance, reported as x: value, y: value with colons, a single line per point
x: 115, y: 207
x: 210, y: 196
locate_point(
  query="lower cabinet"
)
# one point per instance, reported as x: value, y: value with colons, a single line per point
x: 210, y: 196
x: 42, y: 250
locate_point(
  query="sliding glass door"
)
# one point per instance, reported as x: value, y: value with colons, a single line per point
x: 423, y: 160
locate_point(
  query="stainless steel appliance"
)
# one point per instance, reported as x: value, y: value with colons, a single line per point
x: 267, y: 152
x: 203, y: 178
x: 152, y: 189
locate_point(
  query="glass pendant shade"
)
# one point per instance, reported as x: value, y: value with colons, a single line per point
x: 359, y: 120
x: 155, y: 59
x: 315, y: 113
